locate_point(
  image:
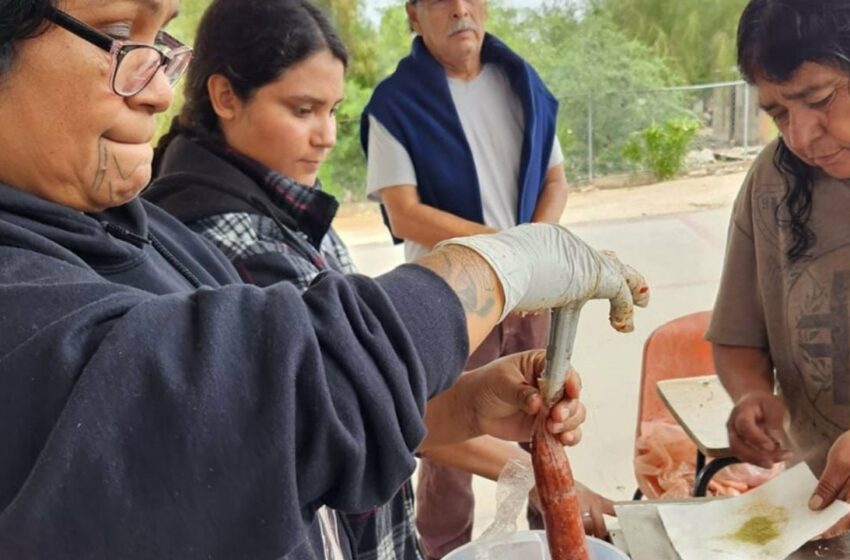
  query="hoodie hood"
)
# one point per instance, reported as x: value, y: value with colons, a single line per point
x: 193, y: 172
x: 199, y: 179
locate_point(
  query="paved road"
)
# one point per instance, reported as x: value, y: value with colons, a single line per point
x: 681, y: 255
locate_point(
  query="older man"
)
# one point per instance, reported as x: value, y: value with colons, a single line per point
x: 461, y: 140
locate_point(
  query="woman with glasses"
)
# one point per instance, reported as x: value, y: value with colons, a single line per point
x: 781, y: 317
x: 152, y: 405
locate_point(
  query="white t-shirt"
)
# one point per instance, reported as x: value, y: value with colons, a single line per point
x: 493, y: 122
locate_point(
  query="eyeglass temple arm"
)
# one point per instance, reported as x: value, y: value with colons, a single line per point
x: 78, y: 28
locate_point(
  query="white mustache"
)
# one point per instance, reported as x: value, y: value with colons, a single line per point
x: 462, y: 25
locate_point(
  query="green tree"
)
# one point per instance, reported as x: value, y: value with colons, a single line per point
x: 344, y: 173
x: 393, y: 39
x: 596, y: 72
x: 697, y: 37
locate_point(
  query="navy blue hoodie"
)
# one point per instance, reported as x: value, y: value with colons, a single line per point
x: 145, y: 418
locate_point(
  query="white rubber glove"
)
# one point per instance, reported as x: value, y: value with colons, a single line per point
x: 543, y: 266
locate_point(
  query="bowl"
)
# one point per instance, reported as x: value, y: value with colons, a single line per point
x: 528, y: 545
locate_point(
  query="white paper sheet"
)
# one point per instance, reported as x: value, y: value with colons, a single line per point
x: 728, y: 529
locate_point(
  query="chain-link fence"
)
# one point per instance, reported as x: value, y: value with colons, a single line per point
x: 594, y: 128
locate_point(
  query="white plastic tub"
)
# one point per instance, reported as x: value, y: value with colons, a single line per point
x: 530, y: 545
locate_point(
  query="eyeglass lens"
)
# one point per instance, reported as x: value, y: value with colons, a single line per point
x: 139, y: 63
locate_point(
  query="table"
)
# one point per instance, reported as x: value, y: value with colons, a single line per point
x: 641, y: 535
x: 701, y: 406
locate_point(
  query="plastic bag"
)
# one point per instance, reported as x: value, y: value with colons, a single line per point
x: 515, y: 482
x: 665, y: 465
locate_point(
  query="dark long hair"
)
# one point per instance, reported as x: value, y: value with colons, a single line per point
x: 251, y: 43
x: 19, y: 20
x: 775, y: 37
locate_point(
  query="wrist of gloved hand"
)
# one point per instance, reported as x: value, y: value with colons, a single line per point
x: 542, y: 266
x: 536, y: 264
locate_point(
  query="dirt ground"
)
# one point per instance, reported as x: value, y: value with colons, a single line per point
x: 360, y: 223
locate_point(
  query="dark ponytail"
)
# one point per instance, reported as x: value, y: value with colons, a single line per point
x: 251, y: 43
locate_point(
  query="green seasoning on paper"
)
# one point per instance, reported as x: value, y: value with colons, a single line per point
x: 760, y: 529
x: 764, y: 525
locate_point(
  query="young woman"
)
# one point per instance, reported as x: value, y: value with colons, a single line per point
x: 782, y: 315
x: 240, y: 167
x: 153, y: 405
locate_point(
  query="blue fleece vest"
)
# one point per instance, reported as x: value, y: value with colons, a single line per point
x: 416, y: 107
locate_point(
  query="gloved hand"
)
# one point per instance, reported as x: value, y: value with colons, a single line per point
x: 542, y: 266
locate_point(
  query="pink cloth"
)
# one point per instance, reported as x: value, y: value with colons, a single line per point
x: 444, y: 501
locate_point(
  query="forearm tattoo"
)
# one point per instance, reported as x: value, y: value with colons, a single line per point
x: 468, y: 275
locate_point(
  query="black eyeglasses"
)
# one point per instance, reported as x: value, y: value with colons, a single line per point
x: 133, y: 64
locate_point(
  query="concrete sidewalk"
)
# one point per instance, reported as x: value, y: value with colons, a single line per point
x: 360, y: 223
x: 675, y: 234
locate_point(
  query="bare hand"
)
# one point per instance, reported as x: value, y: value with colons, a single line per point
x: 505, y: 402
x: 836, y: 530
x: 593, y: 505
x: 834, y: 483
x: 755, y: 429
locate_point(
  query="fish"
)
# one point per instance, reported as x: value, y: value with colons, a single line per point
x: 552, y: 473
x: 624, y: 287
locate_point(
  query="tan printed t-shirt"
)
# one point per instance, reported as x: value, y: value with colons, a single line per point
x: 800, y: 311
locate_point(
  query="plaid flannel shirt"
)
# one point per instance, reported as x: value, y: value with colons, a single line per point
x: 244, y: 237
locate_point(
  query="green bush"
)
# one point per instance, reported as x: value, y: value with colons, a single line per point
x: 662, y: 148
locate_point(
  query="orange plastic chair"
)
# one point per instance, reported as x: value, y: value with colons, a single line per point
x: 674, y: 350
